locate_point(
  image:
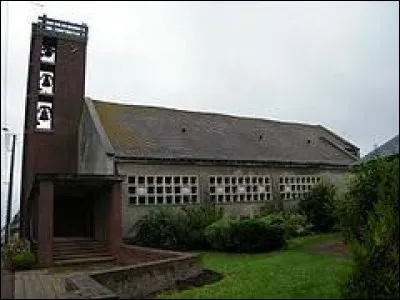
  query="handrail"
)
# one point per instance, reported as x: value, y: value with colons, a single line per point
x: 60, y: 26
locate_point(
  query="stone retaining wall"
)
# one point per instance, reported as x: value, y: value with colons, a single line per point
x: 149, y: 271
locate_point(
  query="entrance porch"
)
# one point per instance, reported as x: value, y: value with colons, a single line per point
x: 65, y: 209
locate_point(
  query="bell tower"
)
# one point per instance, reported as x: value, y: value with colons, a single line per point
x: 54, y: 101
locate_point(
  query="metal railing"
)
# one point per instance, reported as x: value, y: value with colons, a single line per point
x: 63, y: 27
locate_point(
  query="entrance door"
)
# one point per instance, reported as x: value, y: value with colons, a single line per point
x: 73, y: 217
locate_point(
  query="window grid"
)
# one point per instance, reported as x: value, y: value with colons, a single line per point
x: 162, y: 189
x: 296, y: 186
x: 249, y: 188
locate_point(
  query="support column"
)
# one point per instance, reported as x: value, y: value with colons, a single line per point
x: 45, y: 223
x: 114, y: 220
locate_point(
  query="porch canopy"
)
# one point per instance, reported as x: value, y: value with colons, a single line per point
x: 75, y: 205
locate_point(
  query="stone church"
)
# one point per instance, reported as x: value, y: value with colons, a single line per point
x: 92, y: 168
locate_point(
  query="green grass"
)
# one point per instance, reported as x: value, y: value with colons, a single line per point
x: 297, y: 272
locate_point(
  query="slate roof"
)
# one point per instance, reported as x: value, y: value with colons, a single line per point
x: 146, y: 132
x: 389, y: 148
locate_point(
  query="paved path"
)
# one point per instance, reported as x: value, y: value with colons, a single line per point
x: 7, y: 283
x: 38, y: 284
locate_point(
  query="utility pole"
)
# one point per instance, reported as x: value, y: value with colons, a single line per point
x: 10, y: 187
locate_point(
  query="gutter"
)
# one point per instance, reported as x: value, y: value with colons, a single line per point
x: 212, y: 162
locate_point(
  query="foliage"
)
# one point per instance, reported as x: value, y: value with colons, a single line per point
x: 297, y: 225
x: 269, y: 207
x: 160, y: 228
x: 293, y: 224
x: 181, y: 229
x: 354, y: 207
x: 197, y: 219
x: 16, y: 245
x: 318, y: 206
x: 248, y: 236
x: 23, y: 261
x: 18, y: 252
x: 375, y: 273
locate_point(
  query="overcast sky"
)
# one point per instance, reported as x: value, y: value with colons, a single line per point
x: 329, y: 63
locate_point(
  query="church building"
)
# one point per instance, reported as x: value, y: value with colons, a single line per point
x: 92, y: 168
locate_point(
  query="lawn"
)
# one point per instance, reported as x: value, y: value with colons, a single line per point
x: 298, y: 272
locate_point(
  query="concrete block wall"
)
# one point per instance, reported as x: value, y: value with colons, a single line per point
x: 131, y: 213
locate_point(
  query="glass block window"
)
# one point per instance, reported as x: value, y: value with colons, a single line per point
x: 250, y: 188
x: 296, y: 186
x: 155, y: 189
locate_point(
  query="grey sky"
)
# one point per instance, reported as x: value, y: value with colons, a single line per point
x: 329, y: 63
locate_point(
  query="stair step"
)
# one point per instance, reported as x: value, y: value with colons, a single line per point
x: 67, y: 251
x: 76, y: 255
x: 78, y: 243
x: 68, y: 239
x: 78, y: 247
x: 83, y: 260
x: 80, y: 254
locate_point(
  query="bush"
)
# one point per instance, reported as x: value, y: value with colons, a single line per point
x: 375, y: 247
x: 294, y: 225
x: 18, y: 253
x: 23, y: 261
x: 16, y: 245
x: 247, y: 236
x: 182, y: 229
x: 269, y: 207
x: 318, y: 206
x: 197, y: 218
x: 160, y: 228
x: 220, y: 234
x: 355, y: 206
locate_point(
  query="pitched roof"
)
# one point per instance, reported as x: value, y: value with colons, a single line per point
x: 163, y: 133
x: 389, y: 148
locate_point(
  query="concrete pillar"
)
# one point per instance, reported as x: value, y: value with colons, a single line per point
x: 114, y: 219
x: 45, y: 223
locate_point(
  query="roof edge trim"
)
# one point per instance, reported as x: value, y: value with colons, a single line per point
x: 122, y: 159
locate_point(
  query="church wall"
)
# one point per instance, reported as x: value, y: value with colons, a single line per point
x: 131, y: 213
x: 92, y: 158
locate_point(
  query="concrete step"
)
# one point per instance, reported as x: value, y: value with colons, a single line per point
x: 79, y: 247
x: 68, y: 243
x: 68, y: 251
x: 83, y: 260
x: 80, y: 255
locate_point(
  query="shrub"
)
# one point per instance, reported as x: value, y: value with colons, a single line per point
x: 354, y: 207
x: 176, y: 229
x: 293, y: 224
x: 277, y: 218
x: 197, y: 218
x: 220, y: 234
x: 18, y: 253
x: 245, y: 236
x: 375, y: 273
x: 297, y: 225
x: 318, y: 207
x: 23, y: 261
x: 160, y: 228
x: 16, y: 245
x: 269, y: 207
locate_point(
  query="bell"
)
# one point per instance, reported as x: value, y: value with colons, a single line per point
x: 46, y: 80
x: 44, y: 114
x: 47, y: 51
